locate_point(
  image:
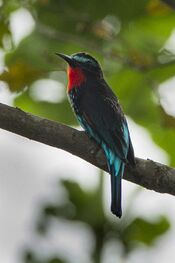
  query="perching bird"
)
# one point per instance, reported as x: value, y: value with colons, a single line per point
x: 99, y: 113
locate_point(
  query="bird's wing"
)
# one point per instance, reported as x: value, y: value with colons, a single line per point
x: 103, y: 119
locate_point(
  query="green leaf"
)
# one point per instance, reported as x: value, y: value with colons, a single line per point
x: 9, y: 6
x: 54, y: 14
x: 4, y: 30
x: 162, y: 72
x: 60, y: 112
x: 149, y: 33
x: 143, y: 231
x: 135, y: 95
x: 165, y: 138
x: 55, y: 260
x: 20, y: 74
x: 86, y: 203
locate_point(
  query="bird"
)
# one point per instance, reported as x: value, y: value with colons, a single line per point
x: 98, y: 111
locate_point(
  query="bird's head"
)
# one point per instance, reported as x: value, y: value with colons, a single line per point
x: 81, y: 67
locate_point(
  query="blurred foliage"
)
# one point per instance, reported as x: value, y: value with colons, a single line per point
x: 87, y: 206
x: 29, y: 257
x: 129, y: 43
x: 129, y: 39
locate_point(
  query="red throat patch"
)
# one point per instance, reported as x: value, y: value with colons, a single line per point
x: 75, y: 76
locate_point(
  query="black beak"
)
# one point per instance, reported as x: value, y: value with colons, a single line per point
x: 67, y: 58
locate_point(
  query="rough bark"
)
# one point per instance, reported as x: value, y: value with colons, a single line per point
x: 147, y: 173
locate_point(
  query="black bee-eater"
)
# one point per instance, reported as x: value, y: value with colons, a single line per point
x: 99, y: 113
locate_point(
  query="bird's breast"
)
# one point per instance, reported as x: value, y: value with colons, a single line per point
x: 74, y: 97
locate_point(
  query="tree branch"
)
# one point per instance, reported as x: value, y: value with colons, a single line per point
x: 152, y: 175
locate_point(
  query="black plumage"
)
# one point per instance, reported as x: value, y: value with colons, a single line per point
x: 99, y: 112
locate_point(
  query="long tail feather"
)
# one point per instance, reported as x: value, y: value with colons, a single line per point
x: 116, y: 190
x: 116, y: 168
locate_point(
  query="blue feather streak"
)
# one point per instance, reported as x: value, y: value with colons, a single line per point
x: 112, y: 158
